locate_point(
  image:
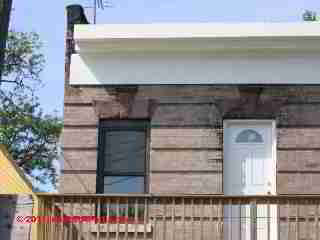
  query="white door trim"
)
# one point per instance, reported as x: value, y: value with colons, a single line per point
x: 227, y: 122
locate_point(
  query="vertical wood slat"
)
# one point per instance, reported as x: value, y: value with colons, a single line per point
x: 212, y: 219
x: 240, y: 219
x: 71, y: 223
x: 98, y: 215
x: 288, y: 218
x: 108, y: 218
x: 154, y: 210
x: 230, y: 219
x: 183, y: 218
x: 253, y: 216
x: 117, y: 217
x: 48, y: 207
x: 136, y: 205
x: 127, y: 218
x: 278, y: 218
x: 91, y: 213
x: 80, y: 222
x: 192, y: 218
x: 173, y: 218
x: 268, y: 219
x: 317, y: 219
x: 297, y: 222
x: 61, y: 214
x: 307, y: 219
x: 145, y: 217
x: 44, y: 224
x: 41, y: 206
x: 201, y: 218
x: 52, y: 231
x: 220, y: 220
x: 164, y: 218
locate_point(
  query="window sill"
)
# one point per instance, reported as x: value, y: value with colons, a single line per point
x: 121, y: 227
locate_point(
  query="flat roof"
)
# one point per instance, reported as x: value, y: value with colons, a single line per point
x: 195, y: 30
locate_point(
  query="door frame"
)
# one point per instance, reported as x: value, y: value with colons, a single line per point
x: 272, y: 122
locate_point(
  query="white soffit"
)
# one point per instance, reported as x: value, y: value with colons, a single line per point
x: 111, y: 37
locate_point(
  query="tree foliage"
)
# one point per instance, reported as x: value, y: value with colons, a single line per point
x: 309, y: 16
x: 23, y: 60
x: 30, y: 136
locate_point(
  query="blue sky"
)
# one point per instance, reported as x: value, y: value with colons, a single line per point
x: 48, y: 19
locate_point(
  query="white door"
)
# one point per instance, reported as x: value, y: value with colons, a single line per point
x: 249, y: 169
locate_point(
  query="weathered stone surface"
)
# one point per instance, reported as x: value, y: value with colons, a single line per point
x: 80, y: 160
x: 185, y: 160
x: 301, y: 114
x: 135, y: 109
x: 77, y: 183
x: 76, y: 95
x: 79, y: 138
x: 186, y: 138
x: 295, y: 183
x: 186, y: 132
x: 298, y: 137
x: 298, y: 160
x: 195, y: 183
x: 185, y: 115
x: 79, y: 115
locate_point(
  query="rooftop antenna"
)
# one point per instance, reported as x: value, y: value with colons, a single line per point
x: 99, y: 4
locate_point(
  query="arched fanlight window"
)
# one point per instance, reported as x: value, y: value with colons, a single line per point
x: 249, y: 136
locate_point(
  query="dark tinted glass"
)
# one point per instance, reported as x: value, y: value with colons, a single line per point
x: 125, y: 151
x: 123, y: 184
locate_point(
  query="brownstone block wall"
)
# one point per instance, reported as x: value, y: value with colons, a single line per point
x: 186, y: 148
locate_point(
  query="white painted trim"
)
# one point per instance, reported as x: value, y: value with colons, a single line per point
x: 195, y: 36
x: 195, y: 30
x: 273, y: 139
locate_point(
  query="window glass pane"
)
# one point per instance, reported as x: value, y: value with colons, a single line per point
x: 249, y: 136
x: 123, y: 184
x: 125, y: 151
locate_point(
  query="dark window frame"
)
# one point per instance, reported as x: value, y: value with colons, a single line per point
x: 120, y: 125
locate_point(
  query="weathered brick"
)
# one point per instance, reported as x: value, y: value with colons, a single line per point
x: 77, y: 183
x: 298, y: 138
x: 301, y: 114
x: 79, y: 138
x: 185, y: 160
x: 190, y: 183
x: 185, y: 114
x: 298, y: 160
x: 295, y: 183
x: 80, y: 115
x: 88, y: 94
x: 185, y: 138
x: 80, y: 160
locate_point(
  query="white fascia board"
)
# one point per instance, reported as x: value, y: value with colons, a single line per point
x: 195, y: 36
x: 194, y: 68
x: 195, y: 30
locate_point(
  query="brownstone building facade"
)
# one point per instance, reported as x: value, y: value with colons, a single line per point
x: 219, y: 111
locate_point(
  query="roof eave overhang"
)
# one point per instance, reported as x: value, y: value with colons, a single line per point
x: 188, y: 37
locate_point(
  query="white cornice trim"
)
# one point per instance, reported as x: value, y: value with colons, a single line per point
x: 197, y: 36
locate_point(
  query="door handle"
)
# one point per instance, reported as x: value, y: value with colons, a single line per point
x: 243, y: 173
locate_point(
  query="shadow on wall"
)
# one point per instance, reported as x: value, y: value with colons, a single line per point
x: 11, y: 207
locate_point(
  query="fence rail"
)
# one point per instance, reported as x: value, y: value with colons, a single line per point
x: 175, y: 217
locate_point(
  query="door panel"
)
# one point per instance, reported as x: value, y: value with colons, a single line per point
x: 249, y: 169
